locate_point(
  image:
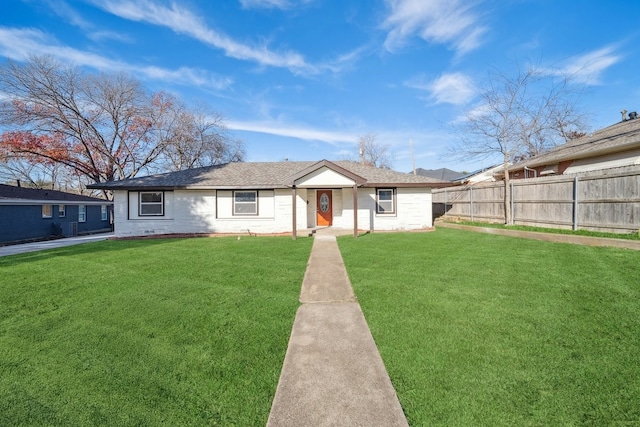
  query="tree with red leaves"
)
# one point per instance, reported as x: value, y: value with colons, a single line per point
x: 102, y: 127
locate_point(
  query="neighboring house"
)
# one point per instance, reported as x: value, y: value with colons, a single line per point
x: 612, y: 147
x: 442, y: 174
x: 34, y: 214
x: 488, y: 174
x: 272, y: 197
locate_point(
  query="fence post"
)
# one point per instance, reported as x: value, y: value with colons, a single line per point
x: 513, y: 205
x: 575, y: 203
x: 445, y: 202
x: 471, y: 203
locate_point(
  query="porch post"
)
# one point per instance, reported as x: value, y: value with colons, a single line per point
x: 293, y: 213
x: 355, y: 210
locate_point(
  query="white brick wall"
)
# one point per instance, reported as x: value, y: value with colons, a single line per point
x: 208, y: 211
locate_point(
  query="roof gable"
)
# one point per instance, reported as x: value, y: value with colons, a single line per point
x: 324, y: 174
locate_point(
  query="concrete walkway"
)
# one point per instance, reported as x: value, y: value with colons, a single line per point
x: 50, y: 244
x: 332, y: 374
x: 548, y: 237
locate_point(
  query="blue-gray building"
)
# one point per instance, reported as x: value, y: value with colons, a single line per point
x: 28, y: 214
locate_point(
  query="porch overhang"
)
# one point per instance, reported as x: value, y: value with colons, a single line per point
x: 324, y: 174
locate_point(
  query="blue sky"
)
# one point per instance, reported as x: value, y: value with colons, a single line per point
x: 303, y: 79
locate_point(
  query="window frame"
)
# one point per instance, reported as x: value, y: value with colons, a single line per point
x: 142, y: 204
x: 380, y: 210
x: 82, y: 213
x: 46, y: 214
x: 104, y: 213
x: 243, y: 203
x: 62, y: 211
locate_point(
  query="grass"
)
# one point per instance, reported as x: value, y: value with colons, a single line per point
x: 479, y: 329
x: 588, y: 233
x: 153, y: 332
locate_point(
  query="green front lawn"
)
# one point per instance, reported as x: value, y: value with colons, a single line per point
x: 148, y: 332
x: 485, y: 330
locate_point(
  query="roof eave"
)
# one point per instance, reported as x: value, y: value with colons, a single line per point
x: 187, y: 187
x: 31, y: 202
x: 407, y: 184
x: 585, y: 155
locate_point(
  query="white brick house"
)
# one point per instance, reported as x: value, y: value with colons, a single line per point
x: 271, y: 197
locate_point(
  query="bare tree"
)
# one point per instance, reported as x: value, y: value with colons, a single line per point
x: 373, y: 153
x: 35, y: 175
x: 519, y: 117
x: 200, y: 139
x: 101, y: 127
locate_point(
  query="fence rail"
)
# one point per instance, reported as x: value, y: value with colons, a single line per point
x: 600, y: 202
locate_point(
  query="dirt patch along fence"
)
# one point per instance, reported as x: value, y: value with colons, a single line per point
x: 604, y: 202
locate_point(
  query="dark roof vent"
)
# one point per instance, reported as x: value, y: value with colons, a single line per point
x: 633, y: 115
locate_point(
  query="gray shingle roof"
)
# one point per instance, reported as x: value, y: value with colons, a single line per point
x: 261, y: 175
x: 619, y: 137
x: 12, y: 192
x: 442, y: 173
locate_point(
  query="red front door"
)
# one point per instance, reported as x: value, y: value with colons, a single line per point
x: 324, y: 208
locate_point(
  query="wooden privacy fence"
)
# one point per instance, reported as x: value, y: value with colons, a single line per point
x: 605, y: 202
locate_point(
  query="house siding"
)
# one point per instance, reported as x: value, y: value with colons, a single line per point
x: 413, y: 210
x: 25, y: 222
x: 208, y: 211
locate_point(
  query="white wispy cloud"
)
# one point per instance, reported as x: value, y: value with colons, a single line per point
x: 99, y: 35
x: 294, y: 131
x: 21, y: 43
x: 182, y: 21
x: 449, y: 88
x: 272, y: 4
x: 69, y: 14
x: 450, y: 22
x: 590, y: 67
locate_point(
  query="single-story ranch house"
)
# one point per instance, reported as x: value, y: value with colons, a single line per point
x: 34, y: 214
x: 271, y: 197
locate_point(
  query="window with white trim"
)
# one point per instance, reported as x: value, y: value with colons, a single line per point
x: 47, y: 211
x: 104, y: 213
x: 245, y: 202
x: 82, y: 213
x: 62, y: 211
x: 151, y: 203
x: 385, y: 201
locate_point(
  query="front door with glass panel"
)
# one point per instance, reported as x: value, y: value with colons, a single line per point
x: 324, y: 215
